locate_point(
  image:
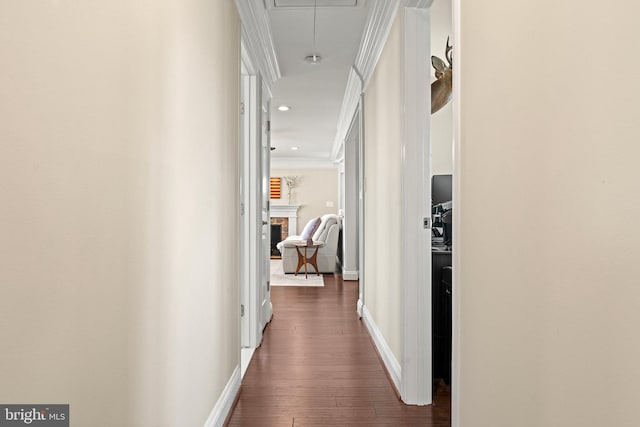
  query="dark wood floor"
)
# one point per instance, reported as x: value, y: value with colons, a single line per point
x: 317, y: 367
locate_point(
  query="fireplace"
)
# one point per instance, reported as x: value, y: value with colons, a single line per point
x: 276, y: 237
x: 279, y: 232
x: 286, y: 218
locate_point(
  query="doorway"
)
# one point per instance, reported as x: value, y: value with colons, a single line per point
x: 255, y: 301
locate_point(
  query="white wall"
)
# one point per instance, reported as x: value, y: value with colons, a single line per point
x: 382, y: 119
x: 548, y: 278
x: 316, y: 187
x: 118, y: 267
x: 441, y: 121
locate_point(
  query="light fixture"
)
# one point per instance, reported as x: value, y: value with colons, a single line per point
x: 315, y: 58
x: 284, y: 108
x: 295, y: 148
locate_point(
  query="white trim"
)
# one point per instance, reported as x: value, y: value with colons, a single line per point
x: 361, y: 217
x: 224, y: 404
x: 257, y: 32
x: 349, y: 275
x: 286, y: 211
x: 246, y: 354
x: 246, y: 61
x: 374, y: 36
x: 416, y: 388
x: 457, y: 196
x: 388, y: 358
x: 301, y: 163
x: 376, y: 30
x: 347, y: 112
x: 360, y: 307
x: 253, y: 208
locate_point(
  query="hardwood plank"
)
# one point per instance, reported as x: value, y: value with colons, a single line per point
x: 317, y: 367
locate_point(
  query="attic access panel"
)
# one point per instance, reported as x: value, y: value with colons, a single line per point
x: 309, y: 3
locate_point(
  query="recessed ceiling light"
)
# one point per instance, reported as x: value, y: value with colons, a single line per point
x: 295, y: 148
x: 284, y: 108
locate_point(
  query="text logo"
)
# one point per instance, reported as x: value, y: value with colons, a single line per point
x: 34, y: 415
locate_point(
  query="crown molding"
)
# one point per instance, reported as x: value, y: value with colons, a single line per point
x: 301, y: 163
x: 376, y: 30
x: 349, y: 105
x: 256, y: 31
x: 374, y: 36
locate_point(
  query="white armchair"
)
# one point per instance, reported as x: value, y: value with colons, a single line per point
x: 328, y: 232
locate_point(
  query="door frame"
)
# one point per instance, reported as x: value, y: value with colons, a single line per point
x: 251, y: 202
x: 258, y: 50
x: 351, y: 194
x: 416, y: 360
x: 264, y: 252
x: 457, y: 193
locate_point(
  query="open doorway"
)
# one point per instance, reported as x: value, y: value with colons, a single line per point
x: 441, y: 142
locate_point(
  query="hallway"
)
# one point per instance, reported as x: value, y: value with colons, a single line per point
x: 317, y: 367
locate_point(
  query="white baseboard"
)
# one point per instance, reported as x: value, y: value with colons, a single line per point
x: 388, y: 358
x: 225, y: 402
x: 349, y: 275
x: 246, y: 354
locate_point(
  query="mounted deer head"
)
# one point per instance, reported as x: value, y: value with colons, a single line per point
x: 441, y: 88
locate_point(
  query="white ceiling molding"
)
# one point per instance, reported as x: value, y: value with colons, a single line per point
x: 246, y: 62
x: 257, y: 32
x: 301, y: 163
x: 374, y: 36
x: 376, y: 29
x: 350, y: 101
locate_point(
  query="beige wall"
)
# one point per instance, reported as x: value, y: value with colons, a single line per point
x: 118, y: 268
x: 441, y: 121
x: 383, y: 134
x: 549, y: 278
x: 316, y: 187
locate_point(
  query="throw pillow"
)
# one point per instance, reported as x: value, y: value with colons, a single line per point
x: 310, y: 229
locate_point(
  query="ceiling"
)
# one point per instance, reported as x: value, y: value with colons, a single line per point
x: 314, y: 92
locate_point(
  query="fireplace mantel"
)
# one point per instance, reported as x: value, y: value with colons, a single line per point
x: 287, y: 211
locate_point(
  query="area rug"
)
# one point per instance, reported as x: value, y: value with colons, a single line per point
x: 279, y: 278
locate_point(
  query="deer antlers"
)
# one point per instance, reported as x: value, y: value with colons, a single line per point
x: 441, y: 88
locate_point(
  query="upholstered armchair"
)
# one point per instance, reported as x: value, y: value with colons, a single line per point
x: 327, y: 232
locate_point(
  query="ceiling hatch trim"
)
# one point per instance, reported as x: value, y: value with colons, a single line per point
x: 256, y: 27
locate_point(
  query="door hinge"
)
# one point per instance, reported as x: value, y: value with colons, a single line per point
x: 242, y: 108
x: 241, y: 310
x: 268, y: 285
x: 268, y: 125
x: 426, y: 222
x: 241, y: 209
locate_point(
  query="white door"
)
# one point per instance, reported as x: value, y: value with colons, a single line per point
x: 265, y: 286
x: 245, y: 227
x: 251, y: 213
